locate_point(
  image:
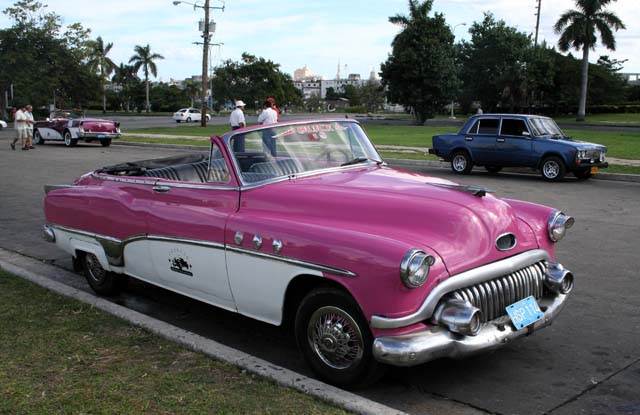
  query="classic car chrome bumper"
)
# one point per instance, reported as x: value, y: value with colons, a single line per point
x: 87, y: 134
x: 417, y: 348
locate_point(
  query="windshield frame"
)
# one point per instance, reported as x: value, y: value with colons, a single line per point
x: 373, y: 156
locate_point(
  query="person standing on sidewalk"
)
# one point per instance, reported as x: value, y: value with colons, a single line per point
x: 20, y: 125
x: 237, y: 116
x: 236, y: 119
x: 28, y: 115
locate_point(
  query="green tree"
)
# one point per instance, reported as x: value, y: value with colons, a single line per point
x: 420, y: 71
x: 40, y: 63
x: 192, y: 90
x: 493, y: 65
x: 144, y: 59
x: 102, y: 64
x: 578, y: 28
x: 128, y: 88
x: 254, y: 80
x: 371, y: 95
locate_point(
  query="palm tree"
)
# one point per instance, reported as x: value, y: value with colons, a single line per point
x: 102, y: 64
x: 577, y: 29
x: 124, y: 76
x: 193, y: 90
x: 145, y: 59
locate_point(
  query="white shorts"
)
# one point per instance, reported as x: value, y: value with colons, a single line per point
x: 23, y: 133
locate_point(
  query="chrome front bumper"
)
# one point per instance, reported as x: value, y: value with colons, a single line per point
x: 417, y: 348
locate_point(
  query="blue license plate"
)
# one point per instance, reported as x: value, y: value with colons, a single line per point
x: 524, y: 312
x: 101, y: 135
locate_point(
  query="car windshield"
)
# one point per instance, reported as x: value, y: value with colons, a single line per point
x: 545, y: 126
x: 70, y: 115
x: 292, y: 149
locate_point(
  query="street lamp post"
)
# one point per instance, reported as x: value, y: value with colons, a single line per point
x: 453, y: 117
x: 205, y: 51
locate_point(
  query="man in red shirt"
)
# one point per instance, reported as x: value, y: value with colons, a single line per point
x: 273, y: 105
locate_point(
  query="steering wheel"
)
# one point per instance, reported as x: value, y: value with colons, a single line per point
x: 334, y: 155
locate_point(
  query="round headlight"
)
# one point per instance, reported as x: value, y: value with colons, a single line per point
x: 414, y: 268
x: 558, y: 225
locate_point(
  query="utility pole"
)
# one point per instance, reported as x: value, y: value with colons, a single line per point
x: 206, y: 33
x: 535, y: 42
x: 205, y: 61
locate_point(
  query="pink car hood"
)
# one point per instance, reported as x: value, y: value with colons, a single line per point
x: 405, y: 206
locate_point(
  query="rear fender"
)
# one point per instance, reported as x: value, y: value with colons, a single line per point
x: 79, y: 245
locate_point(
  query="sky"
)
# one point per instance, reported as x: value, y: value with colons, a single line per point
x: 319, y: 34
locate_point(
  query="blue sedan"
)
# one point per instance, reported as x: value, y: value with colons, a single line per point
x: 507, y: 140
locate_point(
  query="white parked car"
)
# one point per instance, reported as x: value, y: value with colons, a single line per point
x: 189, y: 115
x: 3, y: 124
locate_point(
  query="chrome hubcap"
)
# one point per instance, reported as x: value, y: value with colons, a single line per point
x: 335, y: 337
x: 551, y: 169
x: 96, y: 272
x: 67, y: 139
x: 459, y: 163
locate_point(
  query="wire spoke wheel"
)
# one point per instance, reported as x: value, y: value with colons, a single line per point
x: 94, y: 269
x: 335, y: 337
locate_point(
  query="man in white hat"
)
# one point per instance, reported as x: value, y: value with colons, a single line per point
x: 237, y: 116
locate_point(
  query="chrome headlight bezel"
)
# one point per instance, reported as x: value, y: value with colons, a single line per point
x: 414, y: 268
x: 581, y: 154
x: 558, y: 225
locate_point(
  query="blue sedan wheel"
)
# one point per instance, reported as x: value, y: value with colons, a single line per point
x: 553, y: 169
x: 461, y: 163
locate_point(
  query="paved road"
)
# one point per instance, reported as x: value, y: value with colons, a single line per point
x: 131, y: 122
x: 587, y: 362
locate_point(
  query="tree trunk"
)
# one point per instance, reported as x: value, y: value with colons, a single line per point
x: 582, y: 105
x: 146, y: 82
x: 104, y: 99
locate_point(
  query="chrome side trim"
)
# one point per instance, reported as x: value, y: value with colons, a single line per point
x: 50, y: 187
x: 464, y: 279
x: 152, y: 181
x: 114, y: 249
x: 306, y: 264
x: 436, y: 342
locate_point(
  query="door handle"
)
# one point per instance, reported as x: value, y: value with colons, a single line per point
x: 161, y: 189
x: 500, y: 140
x: 468, y: 138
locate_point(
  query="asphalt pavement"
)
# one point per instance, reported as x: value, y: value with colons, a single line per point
x: 587, y: 362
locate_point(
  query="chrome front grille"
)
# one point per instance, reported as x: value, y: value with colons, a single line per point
x: 492, y: 296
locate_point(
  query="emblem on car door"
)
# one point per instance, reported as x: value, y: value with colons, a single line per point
x: 180, y: 263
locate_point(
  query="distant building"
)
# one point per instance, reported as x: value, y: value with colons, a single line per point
x: 311, y: 85
x: 303, y: 73
x: 631, y: 78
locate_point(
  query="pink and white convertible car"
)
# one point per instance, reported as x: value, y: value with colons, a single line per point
x: 303, y: 223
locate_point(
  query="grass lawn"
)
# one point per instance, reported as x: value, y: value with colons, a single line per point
x: 621, y: 144
x: 603, y: 119
x: 63, y: 356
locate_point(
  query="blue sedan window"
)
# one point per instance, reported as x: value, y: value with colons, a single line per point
x: 512, y: 126
x: 485, y: 126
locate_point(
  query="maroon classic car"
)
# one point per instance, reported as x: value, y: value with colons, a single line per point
x: 71, y: 125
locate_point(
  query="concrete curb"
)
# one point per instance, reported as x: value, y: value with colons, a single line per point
x: 396, y: 162
x: 433, y: 163
x: 279, y: 375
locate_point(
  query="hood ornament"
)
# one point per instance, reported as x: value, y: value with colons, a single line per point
x: 472, y: 190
